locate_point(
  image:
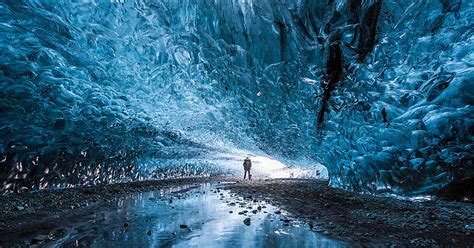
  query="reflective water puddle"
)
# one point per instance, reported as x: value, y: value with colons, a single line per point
x: 190, y: 216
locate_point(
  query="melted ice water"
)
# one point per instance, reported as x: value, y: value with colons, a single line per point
x: 190, y: 216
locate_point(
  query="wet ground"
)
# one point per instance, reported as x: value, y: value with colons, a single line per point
x: 196, y: 215
x: 368, y: 220
x: 223, y: 212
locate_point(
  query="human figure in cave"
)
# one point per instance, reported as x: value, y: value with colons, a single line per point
x: 247, y: 167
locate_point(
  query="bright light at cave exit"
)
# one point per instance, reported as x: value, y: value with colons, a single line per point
x: 269, y: 167
x: 272, y: 168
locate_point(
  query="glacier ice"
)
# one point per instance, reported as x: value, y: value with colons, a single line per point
x: 105, y: 91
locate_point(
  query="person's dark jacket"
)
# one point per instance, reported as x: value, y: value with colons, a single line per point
x: 247, y: 164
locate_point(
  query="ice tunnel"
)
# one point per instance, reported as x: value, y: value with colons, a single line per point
x: 104, y: 91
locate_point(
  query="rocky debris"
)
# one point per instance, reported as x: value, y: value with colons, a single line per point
x: 363, y: 219
x: 183, y: 226
x: 423, y: 242
x: 366, y: 219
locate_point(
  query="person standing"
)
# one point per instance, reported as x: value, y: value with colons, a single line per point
x: 247, y: 167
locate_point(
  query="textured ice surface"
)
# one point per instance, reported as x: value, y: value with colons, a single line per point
x: 380, y: 92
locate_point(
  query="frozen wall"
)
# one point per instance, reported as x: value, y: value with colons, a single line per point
x: 380, y: 92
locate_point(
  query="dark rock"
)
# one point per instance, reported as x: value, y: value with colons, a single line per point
x: 247, y: 221
x: 149, y: 233
x: 183, y: 226
x: 125, y: 224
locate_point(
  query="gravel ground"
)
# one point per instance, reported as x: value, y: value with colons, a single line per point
x: 346, y: 216
x: 362, y: 219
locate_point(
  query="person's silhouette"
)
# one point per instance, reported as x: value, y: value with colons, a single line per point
x: 247, y: 166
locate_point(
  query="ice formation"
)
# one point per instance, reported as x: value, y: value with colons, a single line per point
x: 103, y: 91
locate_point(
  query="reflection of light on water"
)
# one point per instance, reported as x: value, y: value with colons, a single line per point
x: 155, y: 218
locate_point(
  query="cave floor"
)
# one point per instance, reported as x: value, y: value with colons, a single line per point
x: 218, y: 212
x: 365, y: 219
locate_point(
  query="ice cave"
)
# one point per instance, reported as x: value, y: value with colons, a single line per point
x: 127, y: 123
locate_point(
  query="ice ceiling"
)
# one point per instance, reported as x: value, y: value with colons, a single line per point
x: 105, y: 91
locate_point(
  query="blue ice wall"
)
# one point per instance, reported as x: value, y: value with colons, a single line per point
x: 107, y: 91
